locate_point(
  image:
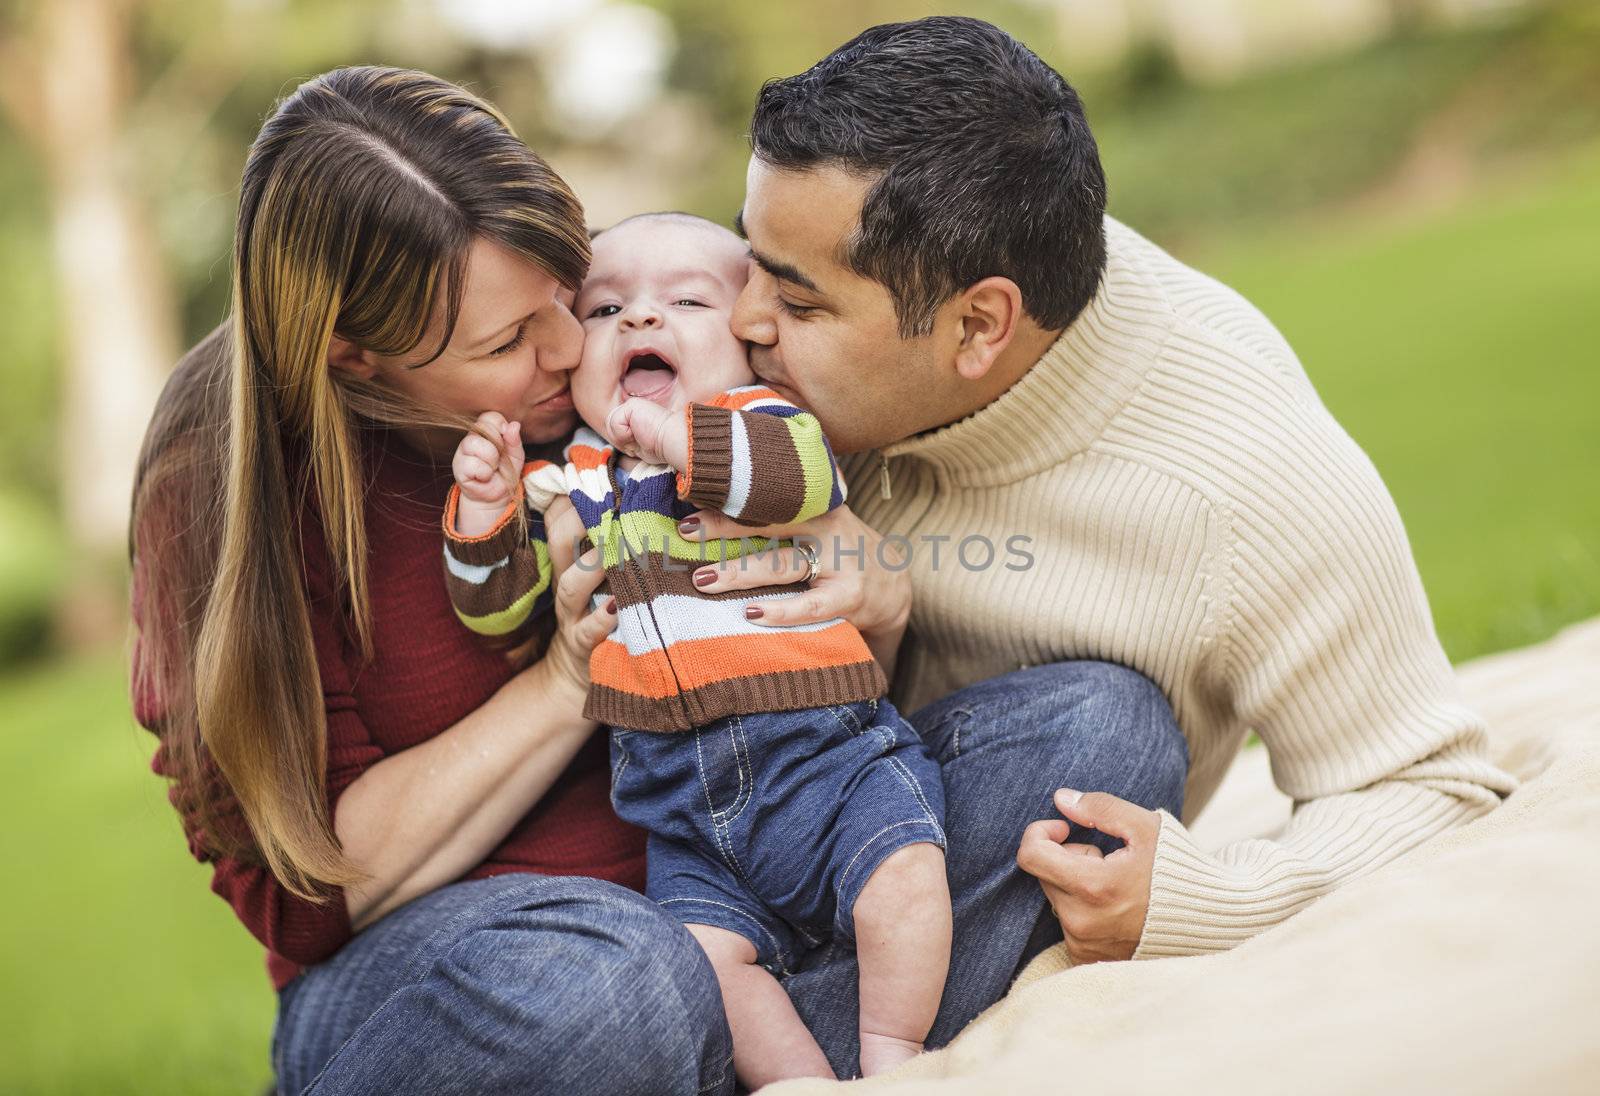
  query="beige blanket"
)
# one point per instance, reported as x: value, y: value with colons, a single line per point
x: 1470, y: 966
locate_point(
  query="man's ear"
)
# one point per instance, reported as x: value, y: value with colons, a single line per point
x: 347, y: 356
x: 989, y: 311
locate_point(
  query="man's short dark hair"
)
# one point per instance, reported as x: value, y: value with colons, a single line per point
x: 987, y: 164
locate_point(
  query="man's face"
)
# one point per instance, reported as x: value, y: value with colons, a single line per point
x: 819, y: 333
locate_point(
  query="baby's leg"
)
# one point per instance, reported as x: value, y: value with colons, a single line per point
x: 770, y: 1042
x: 902, y: 928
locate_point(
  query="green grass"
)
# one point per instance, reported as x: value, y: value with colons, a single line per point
x: 122, y: 973
x: 1463, y: 353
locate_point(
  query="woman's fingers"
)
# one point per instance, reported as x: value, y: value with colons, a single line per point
x: 576, y: 584
x: 563, y: 531
x: 772, y: 566
x: 715, y: 525
x: 593, y: 627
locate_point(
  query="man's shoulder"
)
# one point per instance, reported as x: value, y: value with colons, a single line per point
x: 1227, y: 406
x: 1210, y: 320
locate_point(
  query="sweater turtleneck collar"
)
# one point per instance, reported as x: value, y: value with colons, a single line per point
x: 1065, y: 399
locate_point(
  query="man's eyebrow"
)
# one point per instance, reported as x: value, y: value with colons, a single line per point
x: 784, y: 272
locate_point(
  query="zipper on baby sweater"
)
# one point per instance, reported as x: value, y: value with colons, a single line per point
x: 884, y: 490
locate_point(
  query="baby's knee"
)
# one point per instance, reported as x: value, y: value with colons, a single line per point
x: 725, y: 948
x: 909, y: 886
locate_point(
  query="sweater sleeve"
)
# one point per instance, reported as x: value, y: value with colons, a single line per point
x: 1328, y: 652
x: 500, y: 580
x: 758, y: 458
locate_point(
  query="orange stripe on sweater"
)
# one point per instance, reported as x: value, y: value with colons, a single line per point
x: 707, y: 661
x: 587, y: 456
x: 739, y: 400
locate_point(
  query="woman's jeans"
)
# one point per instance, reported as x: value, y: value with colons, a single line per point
x: 536, y: 984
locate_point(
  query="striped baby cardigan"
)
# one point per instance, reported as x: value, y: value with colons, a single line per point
x: 678, y: 658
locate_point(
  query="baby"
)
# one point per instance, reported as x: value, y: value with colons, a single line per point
x: 785, y: 798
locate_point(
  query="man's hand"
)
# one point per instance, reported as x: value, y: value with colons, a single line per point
x: 650, y: 432
x: 1100, y: 900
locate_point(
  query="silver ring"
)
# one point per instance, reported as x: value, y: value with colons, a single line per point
x: 809, y: 554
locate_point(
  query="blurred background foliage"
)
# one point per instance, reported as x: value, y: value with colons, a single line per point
x: 1410, y: 189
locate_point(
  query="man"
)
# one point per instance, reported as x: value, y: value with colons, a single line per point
x: 936, y: 279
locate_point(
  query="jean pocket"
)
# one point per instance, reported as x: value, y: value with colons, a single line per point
x: 722, y: 755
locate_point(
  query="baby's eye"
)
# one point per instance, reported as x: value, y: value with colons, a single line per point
x: 602, y: 311
x: 690, y: 300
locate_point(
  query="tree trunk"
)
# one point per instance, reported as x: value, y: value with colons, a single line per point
x: 119, y: 328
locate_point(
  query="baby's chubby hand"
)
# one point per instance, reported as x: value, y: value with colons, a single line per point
x: 487, y: 474
x: 650, y: 432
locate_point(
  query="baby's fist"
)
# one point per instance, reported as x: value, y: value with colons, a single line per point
x: 649, y: 431
x: 486, y: 473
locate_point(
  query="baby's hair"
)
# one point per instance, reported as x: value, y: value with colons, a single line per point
x: 665, y: 214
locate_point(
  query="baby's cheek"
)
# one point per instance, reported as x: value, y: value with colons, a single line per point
x: 593, y: 385
x: 727, y: 363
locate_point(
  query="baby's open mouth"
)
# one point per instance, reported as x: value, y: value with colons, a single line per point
x: 648, y: 374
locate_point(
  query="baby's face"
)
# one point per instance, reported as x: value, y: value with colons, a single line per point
x: 655, y: 311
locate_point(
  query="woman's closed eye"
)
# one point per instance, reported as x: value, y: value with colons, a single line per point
x: 516, y: 341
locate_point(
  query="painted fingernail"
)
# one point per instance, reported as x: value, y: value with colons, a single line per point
x: 752, y: 612
x: 611, y: 606
x: 705, y: 577
x: 688, y: 525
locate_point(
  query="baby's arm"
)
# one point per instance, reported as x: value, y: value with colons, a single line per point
x: 497, y: 570
x: 758, y: 458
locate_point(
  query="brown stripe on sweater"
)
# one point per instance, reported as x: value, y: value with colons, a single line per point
x: 500, y: 590
x: 482, y: 552
x: 710, y: 455
x: 778, y: 483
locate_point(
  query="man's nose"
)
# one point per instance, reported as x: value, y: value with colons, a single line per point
x: 752, y: 318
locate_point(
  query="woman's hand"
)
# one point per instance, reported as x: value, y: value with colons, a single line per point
x: 579, y: 629
x: 860, y: 577
x: 1100, y: 900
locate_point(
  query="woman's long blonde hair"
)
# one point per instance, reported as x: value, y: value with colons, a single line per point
x: 360, y: 200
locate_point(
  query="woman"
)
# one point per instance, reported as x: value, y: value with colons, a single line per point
x: 402, y: 261
x: 417, y: 828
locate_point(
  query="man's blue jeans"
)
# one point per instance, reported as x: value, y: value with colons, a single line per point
x: 533, y: 984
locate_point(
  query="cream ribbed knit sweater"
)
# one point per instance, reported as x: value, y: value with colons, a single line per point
x: 1196, y: 513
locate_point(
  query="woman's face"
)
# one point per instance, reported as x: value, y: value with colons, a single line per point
x: 514, y: 346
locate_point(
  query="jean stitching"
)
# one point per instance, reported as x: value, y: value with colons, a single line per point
x: 910, y: 782
x: 845, y: 875
x: 722, y: 1075
x: 616, y: 776
x: 719, y: 829
x: 852, y: 728
x: 772, y: 940
x: 741, y: 756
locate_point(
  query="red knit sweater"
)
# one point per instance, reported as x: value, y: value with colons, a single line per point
x: 428, y: 673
